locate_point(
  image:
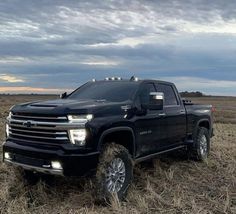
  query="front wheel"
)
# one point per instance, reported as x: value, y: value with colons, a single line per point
x: 201, y: 148
x: 114, y: 172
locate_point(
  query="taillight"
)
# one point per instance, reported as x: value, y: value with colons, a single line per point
x: 213, y: 109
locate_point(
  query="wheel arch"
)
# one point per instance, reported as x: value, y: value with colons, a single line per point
x: 204, y: 123
x: 121, y: 135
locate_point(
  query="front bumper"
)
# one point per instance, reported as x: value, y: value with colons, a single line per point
x: 38, y: 158
x: 36, y: 168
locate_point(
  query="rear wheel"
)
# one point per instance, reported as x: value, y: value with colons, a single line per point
x: 114, y: 172
x: 201, y: 148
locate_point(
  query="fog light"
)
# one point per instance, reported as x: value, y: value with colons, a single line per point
x: 56, y: 165
x: 7, y: 155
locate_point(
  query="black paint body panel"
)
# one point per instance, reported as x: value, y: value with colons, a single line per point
x: 152, y: 132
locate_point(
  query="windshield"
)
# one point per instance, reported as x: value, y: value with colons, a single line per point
x: 114, y: 91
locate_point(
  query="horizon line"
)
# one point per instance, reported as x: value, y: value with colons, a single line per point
x: 38, y: 94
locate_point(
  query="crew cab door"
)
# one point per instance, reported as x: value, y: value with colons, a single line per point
x: 175, y: 114
x: 149, y: 126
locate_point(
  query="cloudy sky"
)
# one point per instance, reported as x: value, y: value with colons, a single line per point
x: 50, y: 46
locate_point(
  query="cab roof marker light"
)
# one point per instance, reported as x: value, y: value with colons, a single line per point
x: 113, y: 78
x: 118, y: 78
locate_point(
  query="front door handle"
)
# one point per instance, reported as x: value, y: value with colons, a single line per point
x: 182, y: 112
x: 162, y: 114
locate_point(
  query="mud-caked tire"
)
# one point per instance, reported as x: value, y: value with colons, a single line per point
x: 201, y: 147
x: 114, y: 173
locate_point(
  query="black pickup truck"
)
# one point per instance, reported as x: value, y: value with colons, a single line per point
x: 105, y: 127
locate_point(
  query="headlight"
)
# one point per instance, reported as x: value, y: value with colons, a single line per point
x: 7, y: 126
x: 7, y: 130
x: 78, y: 136
x: 80, y: 118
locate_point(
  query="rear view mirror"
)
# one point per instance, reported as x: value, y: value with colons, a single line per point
x: 64, y: 95
x: 156, y: 101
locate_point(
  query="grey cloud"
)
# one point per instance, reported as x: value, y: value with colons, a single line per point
x: 57, y: 37
x: 79, y: 21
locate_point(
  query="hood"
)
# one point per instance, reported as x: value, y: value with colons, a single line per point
x: 70, y: 106
x: 61, y: 102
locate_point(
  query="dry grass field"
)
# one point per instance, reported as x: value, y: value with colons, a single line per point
x: 172, y: 184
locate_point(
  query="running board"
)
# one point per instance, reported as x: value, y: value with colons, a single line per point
x: 138, y: 160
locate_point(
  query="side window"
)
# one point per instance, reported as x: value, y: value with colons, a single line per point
x: 169, y: 94
x: 145, y: 91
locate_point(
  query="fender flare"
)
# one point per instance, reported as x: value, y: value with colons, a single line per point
x: 200, y: 121
x: 116, y: 129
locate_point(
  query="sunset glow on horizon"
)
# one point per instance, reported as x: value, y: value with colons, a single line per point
x: 52, y: 46
x: 29, y: 90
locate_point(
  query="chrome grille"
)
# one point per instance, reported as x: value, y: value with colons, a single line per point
x: 38, y: 128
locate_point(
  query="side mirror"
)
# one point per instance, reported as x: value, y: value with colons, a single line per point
x: 156, y: 101
x: 64, y: 95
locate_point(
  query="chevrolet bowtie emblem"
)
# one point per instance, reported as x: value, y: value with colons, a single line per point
x: 27, y: 124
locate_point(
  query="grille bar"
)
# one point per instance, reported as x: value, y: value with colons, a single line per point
x: 37, y: 117
x: 40, y: 128
x: 34, y: 140
x: 38, y: 132
x: 55, y: 125
x: 40, y: 137
x: 36, y: 127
